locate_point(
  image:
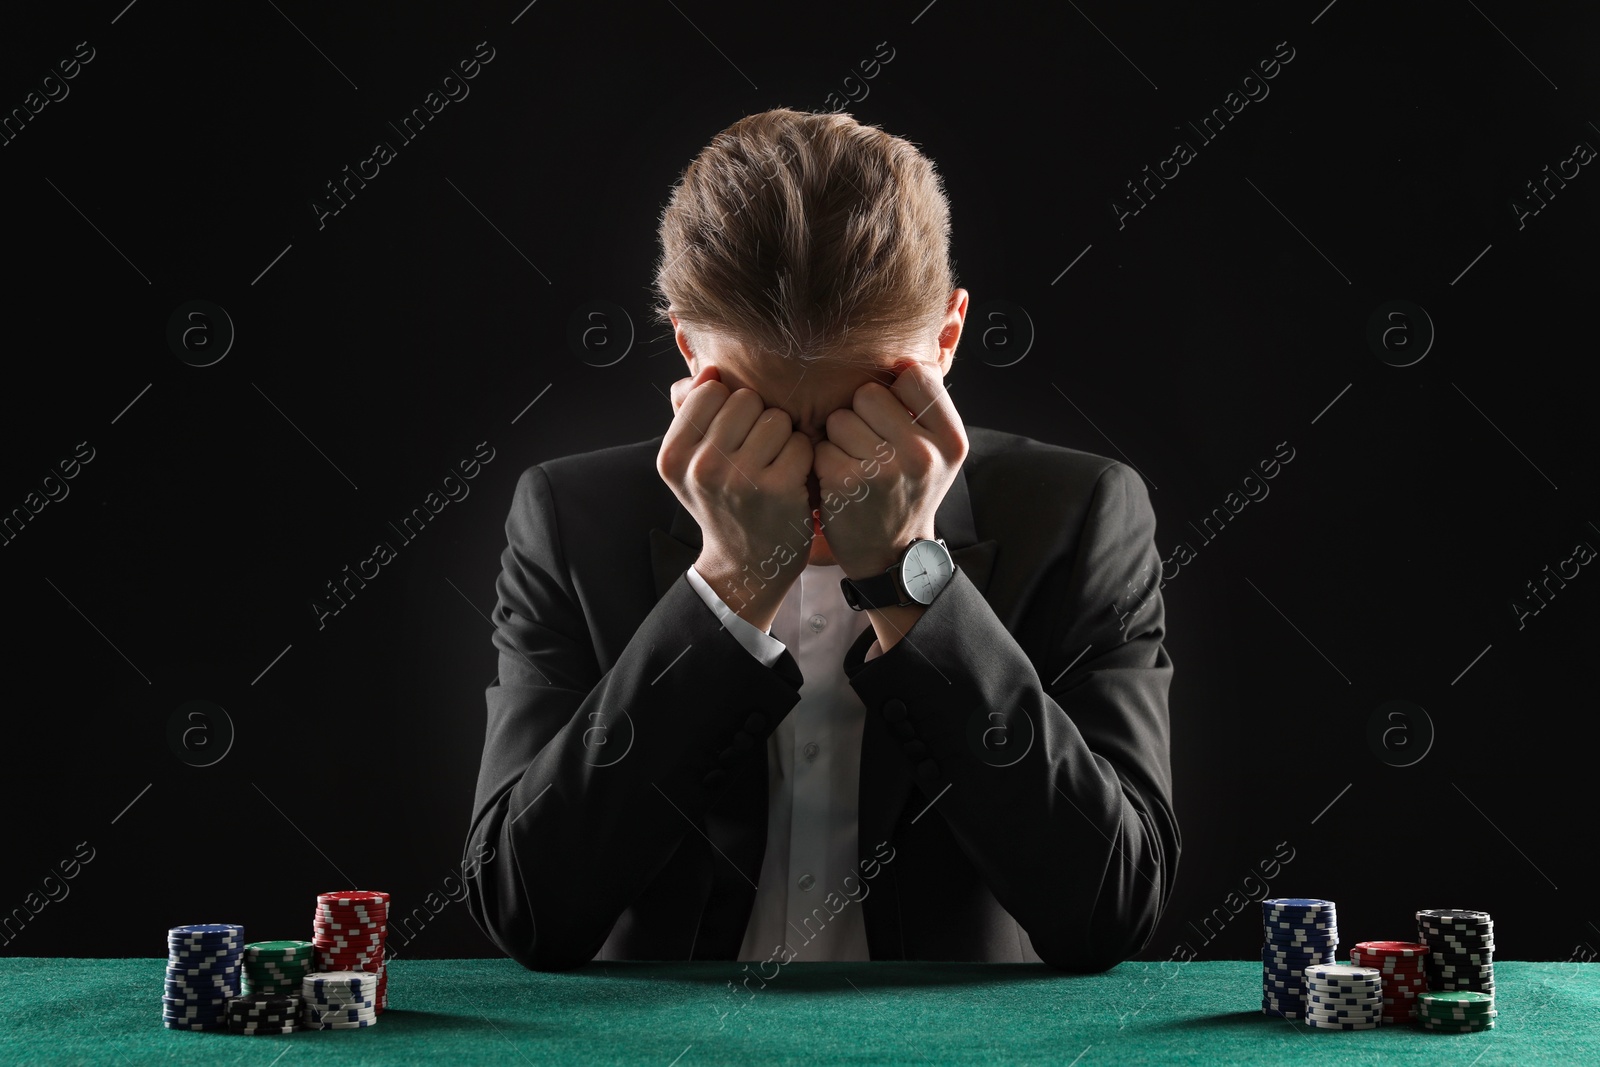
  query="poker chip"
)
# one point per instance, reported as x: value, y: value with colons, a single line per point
x: 264, y: 1014
x: 276, y: 966
x: 344, y: 999
x: 1456, y: 1011
x: 1297, y: 933
x: 202, y: 974
x: 1402, y: 965
x: 1342, y: 997
x: 349, y: 929
x: 1460, y: 949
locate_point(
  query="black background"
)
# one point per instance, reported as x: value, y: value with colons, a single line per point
x: 372, y: 354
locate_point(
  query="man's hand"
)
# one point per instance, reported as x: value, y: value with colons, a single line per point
x: 741, y: 472
x: 889, y: 458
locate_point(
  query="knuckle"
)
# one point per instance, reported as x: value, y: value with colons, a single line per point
x: 922, y: 453
x: 703, y: 467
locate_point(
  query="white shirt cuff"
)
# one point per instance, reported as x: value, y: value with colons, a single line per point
x: 763, y: 646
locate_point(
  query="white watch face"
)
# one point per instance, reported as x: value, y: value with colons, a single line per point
x: 925, y: 571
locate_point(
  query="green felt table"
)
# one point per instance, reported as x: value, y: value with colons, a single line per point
x: 450, y: 1012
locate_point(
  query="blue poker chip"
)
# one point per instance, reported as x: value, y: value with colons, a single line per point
x: 1297, y: 963
x: 201, y: 989
x: 178, y: 994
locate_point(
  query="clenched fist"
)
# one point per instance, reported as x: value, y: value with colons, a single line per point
x: 740, y: 469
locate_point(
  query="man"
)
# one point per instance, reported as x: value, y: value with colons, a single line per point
x: 820, y: 672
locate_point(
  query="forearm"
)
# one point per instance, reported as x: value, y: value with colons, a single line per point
x: 1071, y: 824
x: 585, y: 815
x: 892, y: 622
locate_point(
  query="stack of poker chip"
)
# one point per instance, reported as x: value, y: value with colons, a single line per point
x: 1299, y: 932
x: 1460, y: 949
x: 1459, y: 1011
x: 202, y: 975
x: 1404, y: 979
x: 276, y: 966
x: 1341, y: 997
x: 349, y: 935
x: 265, y: 1013
x: 339, y: 1000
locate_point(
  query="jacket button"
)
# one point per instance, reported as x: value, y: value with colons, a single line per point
x: 903, y: 730
x: 927, y: 768
x: 916, y: 749
x: 714, y: 778
x: 894, y: 710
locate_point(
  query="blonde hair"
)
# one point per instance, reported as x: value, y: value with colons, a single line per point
x: 809, y: 236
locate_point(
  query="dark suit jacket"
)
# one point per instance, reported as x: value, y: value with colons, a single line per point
x: 622, y: 799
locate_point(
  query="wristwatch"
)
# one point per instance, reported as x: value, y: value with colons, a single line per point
x: 924, y: 568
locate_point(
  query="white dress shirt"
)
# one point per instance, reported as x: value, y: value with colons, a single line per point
x: 813, y: 776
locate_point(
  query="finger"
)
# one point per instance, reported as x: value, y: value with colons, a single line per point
x: 734, y: 420
x: 889, y: 410
x: 694, y: 416
x: 884, y: 412
x: 850, y: 432
x: 682, y: 387
x: 767, y: 437
x: 794, y: 459
x: 831, y: 464
x: 921, y: 389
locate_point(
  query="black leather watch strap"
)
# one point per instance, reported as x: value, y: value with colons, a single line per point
x: 879, y: 591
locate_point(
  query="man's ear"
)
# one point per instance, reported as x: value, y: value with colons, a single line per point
x: 681, y: 337
x: 950, y: 331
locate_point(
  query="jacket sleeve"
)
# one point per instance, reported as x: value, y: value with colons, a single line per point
x: 590, y: 781
x: 1056, y: 781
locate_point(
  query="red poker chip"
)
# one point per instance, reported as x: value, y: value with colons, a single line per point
x: 1391, y: 948
x: 348, y: 935
x: 353, y: 913
x: 353, y: 896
